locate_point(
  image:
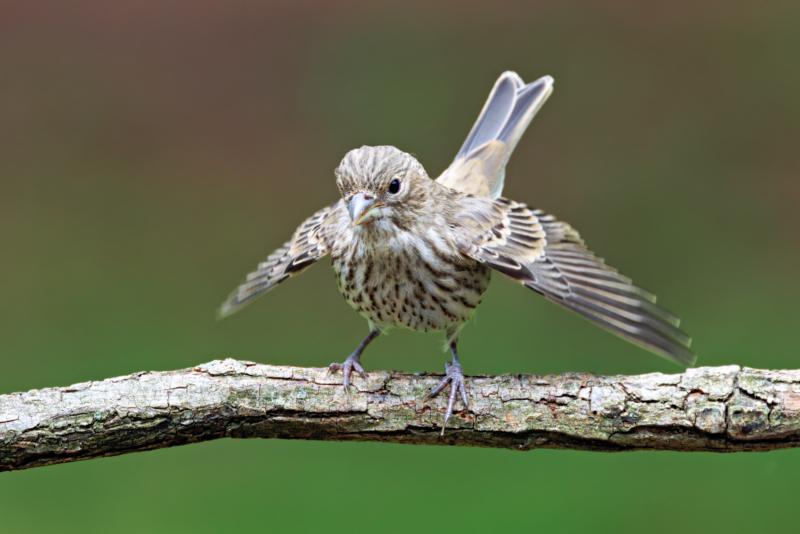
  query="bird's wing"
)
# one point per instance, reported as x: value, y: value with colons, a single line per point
x: 549, y: 256
x: 479, y: 167
x: 310, y: 242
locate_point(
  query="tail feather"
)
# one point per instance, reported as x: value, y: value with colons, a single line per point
x: 529, y: 99
x: 479, y: 167
x: 495, y: 114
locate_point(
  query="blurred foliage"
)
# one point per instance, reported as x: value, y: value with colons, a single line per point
x: 152, y: 153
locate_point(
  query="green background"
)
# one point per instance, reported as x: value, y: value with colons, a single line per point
x: 152, y: 153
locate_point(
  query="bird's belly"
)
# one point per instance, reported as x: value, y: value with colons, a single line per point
x: 406, y: 291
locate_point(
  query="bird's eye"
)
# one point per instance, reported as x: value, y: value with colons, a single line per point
x: 394, y: 187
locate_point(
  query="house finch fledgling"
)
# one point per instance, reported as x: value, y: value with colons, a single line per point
x: 418, y: 253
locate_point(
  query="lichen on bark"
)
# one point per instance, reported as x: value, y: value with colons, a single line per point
x: 722, y: 409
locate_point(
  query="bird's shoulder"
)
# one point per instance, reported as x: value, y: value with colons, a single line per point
x: 316, y: 235
x: 503, y: 233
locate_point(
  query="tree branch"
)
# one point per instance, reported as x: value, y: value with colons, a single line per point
x: 720, y: 409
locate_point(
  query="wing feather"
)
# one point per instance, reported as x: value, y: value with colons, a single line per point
x: 559, y: 266
x: 310, y: 242
x: 498, y: 234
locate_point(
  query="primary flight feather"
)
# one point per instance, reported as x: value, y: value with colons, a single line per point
x: 418, y: 253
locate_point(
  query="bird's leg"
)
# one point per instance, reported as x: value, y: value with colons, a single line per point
x: 354, y: 361
x: 455, y: 377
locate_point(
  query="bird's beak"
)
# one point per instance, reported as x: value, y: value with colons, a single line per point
x: 363, y: 209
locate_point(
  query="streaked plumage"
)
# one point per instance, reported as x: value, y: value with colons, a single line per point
x: 415, y: 253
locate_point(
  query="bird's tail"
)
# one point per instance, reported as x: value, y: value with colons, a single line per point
x: 479, y: 167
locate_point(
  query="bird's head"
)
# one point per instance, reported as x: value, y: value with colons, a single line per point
x: 384, y: 184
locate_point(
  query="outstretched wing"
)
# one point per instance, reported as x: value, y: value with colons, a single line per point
x: 549, y: 256
x: 480, y: 166
x: 310, y: 242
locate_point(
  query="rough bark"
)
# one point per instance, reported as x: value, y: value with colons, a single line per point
x: 720, y: 409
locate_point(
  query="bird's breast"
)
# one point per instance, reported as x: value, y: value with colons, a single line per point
x: 415, y: 282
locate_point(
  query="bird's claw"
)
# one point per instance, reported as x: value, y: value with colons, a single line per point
x: 352, y: 363
x: 455, y: 377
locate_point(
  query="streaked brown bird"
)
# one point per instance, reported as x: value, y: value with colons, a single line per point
x: 417, y: 253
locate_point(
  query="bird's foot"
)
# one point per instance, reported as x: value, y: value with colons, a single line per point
x: 455, y: 377
x: 352, y: 363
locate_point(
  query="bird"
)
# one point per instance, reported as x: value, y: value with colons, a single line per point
x: 412, y: 252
